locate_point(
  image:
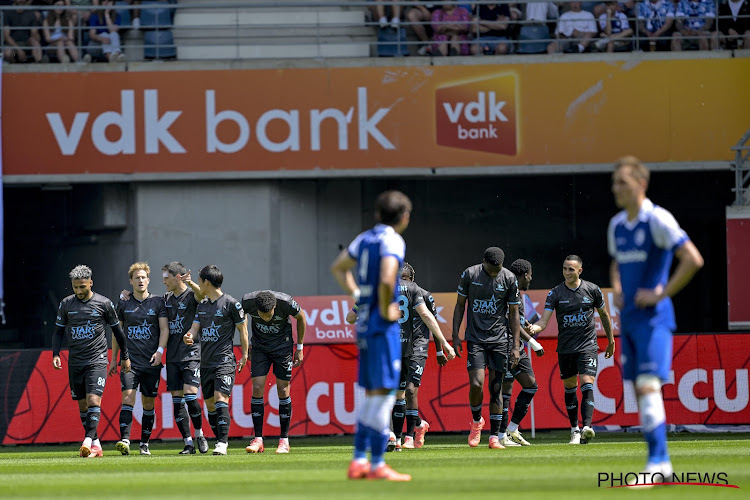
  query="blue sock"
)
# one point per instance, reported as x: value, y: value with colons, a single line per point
x: 361, y: 442
x: 654, y: 422
x: 379, y: 443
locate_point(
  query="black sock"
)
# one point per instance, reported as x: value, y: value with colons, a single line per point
x: 397, y: 417
x: 496, y: 419
x: 571, y: 404
x: 476, y: 412
x: 411, y: 421
x: 506, y: 406
x: 285, y: 416
x: 257, y: 409
x: 522, y: 404
x: 126, y: 420
x: 194, y: 409
x: 212, y: 422
x: 147, y: 424
x: 180, y: 416
x: 84, y: 416
x: 587, y: 404
x: 222, y: 421
x: 92, y: 421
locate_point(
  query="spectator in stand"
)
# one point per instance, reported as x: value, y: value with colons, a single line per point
x: 538, y: 14
x: 419, y: 17
x: 83, y: 13
x: 451, y: 25
x: 135, y: 14
x: 59, y: 33
x: 575, y: 31
x: 104, y: 27
x: 21, y: 32
x: 734, y: 24
x: 695, y: 22
x: 491, y: 20
x: 383, y: 19
x: 656, y: 23
x: 616, y: 30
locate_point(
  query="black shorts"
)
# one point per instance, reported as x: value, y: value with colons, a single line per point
x: 87, y: 380
x: 182, y: 373
x: 281, y: 359
x: 523, y: 366
x: 412, y: 368
x: 574, y: 363
x: 147, y: 379
x: 481, y: 356
x: 217, y: 379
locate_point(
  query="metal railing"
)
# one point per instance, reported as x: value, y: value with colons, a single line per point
x: 323, y: 33
x: 741, y: 167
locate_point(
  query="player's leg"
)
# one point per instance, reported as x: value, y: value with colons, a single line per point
x: 191, y: 380
x: 94, y: 379
x: 525, y: 377
x: 587, y: 366
x: 174, y: 386
x: 416, y: 427
x: 360, y: 467
x: 76, y: 377
x: 476, y: 363
x: 93, y: 414
x: 223, y: 384
x: 497, y: 362
x: 282, y: 369
x: 569, y: 376
x: 207, y: 387
x: 507, y: 391
x: 398, y: 414
x: 149, y: 382
x: 260, y: 364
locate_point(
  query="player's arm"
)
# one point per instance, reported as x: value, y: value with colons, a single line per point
x: 189, y: 337
x: 341, y: 269
x: 244, y: 343
x: 444, y: 348
x: 195, y: 287
x: 118, y: 335
x: 163, y: 339
x: 515, y: 327
x: 536, y: 346
x: 352, y: 316
x: 690, y: 261
x: 386, y: 288
x: 57, y: 339
x: 299, y: 355
x: 115, y: 352
x: 607, y: 325
x: 540, y: 325
x: 458, y: 317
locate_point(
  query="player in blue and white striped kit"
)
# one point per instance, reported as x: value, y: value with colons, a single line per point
x: 378, y: 255
x: 642, y: 240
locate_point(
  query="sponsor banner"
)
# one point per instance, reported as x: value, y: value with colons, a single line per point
x: 364, y: 118
x: 326, y: 316
x: 708, y: 385
x: 738, y: 267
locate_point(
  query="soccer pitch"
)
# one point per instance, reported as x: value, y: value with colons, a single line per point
x: 316, y: 468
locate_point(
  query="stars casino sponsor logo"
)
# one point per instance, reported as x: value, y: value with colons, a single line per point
x: 480, y: 115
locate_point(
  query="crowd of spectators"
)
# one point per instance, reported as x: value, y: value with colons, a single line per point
x: 570, y: 27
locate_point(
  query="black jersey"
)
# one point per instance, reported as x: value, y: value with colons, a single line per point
x: 409, y: 297
x: 84, y: 322
x: 421, y: 336
x: 140, y: 319
x: 277, y: 333
x: 218, y: 321
x: 575, y: 310
x: 488, y: 299
x: 180, y: 314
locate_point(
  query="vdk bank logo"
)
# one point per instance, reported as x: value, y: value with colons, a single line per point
x: 479, y: 115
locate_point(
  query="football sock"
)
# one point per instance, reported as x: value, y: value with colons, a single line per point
x: 222, y: 421
x: 362, y: 432
x: 147, y: 425
x: 92, y: 421
x: 397, y: 417
x: 411, y: 421
x: 495, y: 420
x: 522, y: 404
x: 285, y: 416
x: 181, y: 416
x: 379, y: 417
x: 212, y: 422
x: 506, y: 406
x: 257, y: 409
x: 654, y: 421
x: 126, y: 420
x: 587, y: 404
x: 194, y: 410
x: 476, y: 412
x: 571, y: 404
x: 84, y: 416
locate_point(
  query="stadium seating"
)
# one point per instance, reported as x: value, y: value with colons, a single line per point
x: 159, y: 45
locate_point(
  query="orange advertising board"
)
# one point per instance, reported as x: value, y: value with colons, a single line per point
x: 365, y: 118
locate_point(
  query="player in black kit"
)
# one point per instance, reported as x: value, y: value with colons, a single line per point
x: 81, y: 317
x: 574, y: 302
x: 490, y: 290
x: 216, y: 318
x: 418, y: 319
x: 143, y: 317
x: 271, y: 345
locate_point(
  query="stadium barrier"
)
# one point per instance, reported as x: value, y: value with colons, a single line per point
x: 708, y: 385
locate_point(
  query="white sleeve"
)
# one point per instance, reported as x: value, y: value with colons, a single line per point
x: 624, y: 19
x: 611, y: 246
x: 353, y: 247
x: 591, y: 25
x: 665, y: 230
x: 393, y: 244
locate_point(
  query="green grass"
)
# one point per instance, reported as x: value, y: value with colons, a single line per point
x: 446, y: 467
